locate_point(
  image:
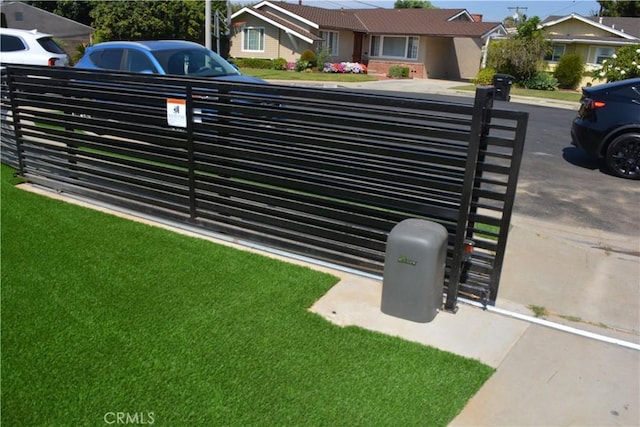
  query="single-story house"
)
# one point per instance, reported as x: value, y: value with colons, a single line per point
x: 432, y: 43
x: 67, y: 32
x: 594, y: 38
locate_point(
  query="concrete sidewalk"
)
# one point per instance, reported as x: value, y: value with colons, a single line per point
x: 572, y: 368
x: 544, y: 376
x: 432, y: 86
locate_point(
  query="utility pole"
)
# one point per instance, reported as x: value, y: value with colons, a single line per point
x: 217, y: 17
x: 207, y: 24
x: 516, y: 16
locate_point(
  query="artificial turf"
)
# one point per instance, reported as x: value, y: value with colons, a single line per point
x: 104, y: 317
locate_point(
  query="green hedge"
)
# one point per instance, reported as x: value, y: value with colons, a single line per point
x: 397, y: 71
x: 260, y: 63
x: 569, y: 71
x: 484, y: 77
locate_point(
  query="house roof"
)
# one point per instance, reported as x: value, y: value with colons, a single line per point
x: 326, y: 18
x: 429, y: 22
x: 285, y: 25
x: 625, y: 25
x: 42, y: 20
x: 618, y: 28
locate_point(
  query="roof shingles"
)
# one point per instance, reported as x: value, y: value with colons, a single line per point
x: 629, y: 26
x: 430, y: 22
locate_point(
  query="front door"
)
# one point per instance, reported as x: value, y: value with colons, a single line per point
x: 357, y: 47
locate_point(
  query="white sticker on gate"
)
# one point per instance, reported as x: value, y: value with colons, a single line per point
x: 177, y: 113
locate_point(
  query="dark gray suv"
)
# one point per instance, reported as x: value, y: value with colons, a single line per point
x: 608, y: 126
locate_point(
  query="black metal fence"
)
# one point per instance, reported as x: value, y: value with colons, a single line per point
x: 324, y: 173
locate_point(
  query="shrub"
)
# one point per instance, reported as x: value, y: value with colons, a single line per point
x: 398, y: 72
x: 624, y: 64
x: 258, y: 63
x: 323, y: 57
x: 519, y: 57
x: 79, y: 53
x: 569, y: 71
x: 541, y: 81
x: 484, y: 77
x: 279, y: 64
x: 302, y: 65
x: 309, y: 56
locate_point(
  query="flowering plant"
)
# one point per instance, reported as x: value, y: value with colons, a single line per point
x: 344, y: 67
x: 624, y: 64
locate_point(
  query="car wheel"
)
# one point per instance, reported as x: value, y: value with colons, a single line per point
x: 623, y: 156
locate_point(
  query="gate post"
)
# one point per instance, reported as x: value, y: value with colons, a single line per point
x: 479, y: 128
x: 15, y: 119
x: 191, y: 164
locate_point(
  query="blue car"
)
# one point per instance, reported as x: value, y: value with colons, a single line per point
x: 171, y: 57
x: 176, y: 57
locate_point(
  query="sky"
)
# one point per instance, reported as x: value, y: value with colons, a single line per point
x: 494, y: 11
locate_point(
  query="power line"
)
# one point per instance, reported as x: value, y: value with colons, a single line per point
x: 517, y: 9
x: 368, y: 4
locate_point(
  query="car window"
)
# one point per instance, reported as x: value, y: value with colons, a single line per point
x: 177, y: 64
x: 11, y: 43
x: 50, y: 45
x: 108, y: 59
x: 198, y: 62
x: 138, y: 62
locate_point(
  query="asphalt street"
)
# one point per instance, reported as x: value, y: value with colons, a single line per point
x: 558, y: 182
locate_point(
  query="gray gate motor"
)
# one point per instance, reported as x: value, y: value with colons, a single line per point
x: 414, y: 266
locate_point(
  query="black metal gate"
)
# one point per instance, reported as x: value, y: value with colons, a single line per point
x: 324, y: 173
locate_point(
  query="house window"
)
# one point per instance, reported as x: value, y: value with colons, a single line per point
x: 395, y: 46
x: 375, y: 46
x: 253, y: 39
x: 329, y: 42
x: 558, y: 51
x: 412, y: 47
x: 603, y: 53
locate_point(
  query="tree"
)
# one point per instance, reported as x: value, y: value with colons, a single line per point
x: 521, y: 56
x: 137, y: 20
x: 529, y: 29
x: 76, y: 10
x: 569, y: 71
x: 237, y: 6
x: 619, y: 8
x: 509, y: 22
x: 148, y: 19
x: 413, y: 4
x: 47, y: 5
x: 624, y: 64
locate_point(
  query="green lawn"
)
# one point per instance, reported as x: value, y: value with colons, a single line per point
x: 561, y: 95
x: 314, y: 76
x: 335, y: 77
x: 102, y: 315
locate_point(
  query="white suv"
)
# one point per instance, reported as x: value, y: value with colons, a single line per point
x: 30, y: 48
